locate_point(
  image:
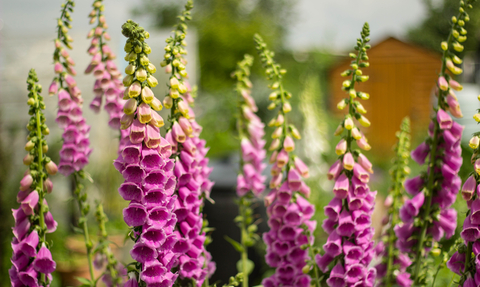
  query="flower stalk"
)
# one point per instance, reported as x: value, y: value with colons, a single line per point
x: 445, y: 136
x: 32, y: 260
x: 250, y: 181
x: 287, y: 207
x: 108, y: 87
x: 349, y: 249
x: 392, y: 259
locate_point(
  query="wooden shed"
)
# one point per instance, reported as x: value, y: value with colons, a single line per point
x: 402, y: 80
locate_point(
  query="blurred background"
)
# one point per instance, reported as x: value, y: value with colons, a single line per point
x: 311, y: 39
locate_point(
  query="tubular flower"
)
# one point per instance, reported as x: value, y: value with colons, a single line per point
x: 428, y: 216
x: 32, y: 260
x: 385, y: 249
x: 289, y: 212
x: 150, y: 180
x: 191, y: 164
x: 108, y: 85
x: 349, y: 249
x: 76, y: 143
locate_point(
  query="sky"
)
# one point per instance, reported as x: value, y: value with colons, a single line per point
x: 318, y: 23
x: 337, y: 23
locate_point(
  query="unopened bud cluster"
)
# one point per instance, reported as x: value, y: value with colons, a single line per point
x: 179, y: 96
x: 32, y: 260
x: 107, y: 85
x: 144, y: 123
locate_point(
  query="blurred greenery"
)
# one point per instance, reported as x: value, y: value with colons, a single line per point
x: 436, y: 26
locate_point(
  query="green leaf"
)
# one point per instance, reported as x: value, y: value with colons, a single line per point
x: 250, y: 266
x: 234, y: 243
x: 84, y: 281
x: 77, y: 230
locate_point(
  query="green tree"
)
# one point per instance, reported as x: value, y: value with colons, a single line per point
x: 435, y: 27
x: 225, y: 32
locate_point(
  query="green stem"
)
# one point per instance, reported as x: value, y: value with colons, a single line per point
x: 315, y: 266
x: 41, y: 193
x: 243, y: 237
x: 397, y: 195
x: 84, y: 225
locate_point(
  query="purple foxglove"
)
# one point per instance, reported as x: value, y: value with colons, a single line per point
x: 469, y: 188
x: 341, y: 187
x: 444, y: 120
x: 43, y: 262
x: 348, y: 161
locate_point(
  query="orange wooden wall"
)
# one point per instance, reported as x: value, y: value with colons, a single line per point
x: 402, y: 79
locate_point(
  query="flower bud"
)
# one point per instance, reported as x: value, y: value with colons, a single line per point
x: 174, y: 83
x: 286, y: 107
x: 130, y: 69
x: 476, y: 117
x: 157, y: 120
x: 141, y: 74
x: 152, y: 81
x: 147, y: 95
x: 183, y: 108
x: 341, y: 147
x: 128, y: 80
x: 348, y: 123
x: 442, y: 83
x: 28, y: 159
x: 151, y: 68
x: 356, y: 134
x: 468, y: 188
x: 134, y: 90
x: 477, y: 166
x: 360, y: 108
x: 144, y: 113
x: 458, y: 47
x: 273, y: 96
x: 58, y: 68
x: 295, y: 132
x: 444, y: 46
x: 126, y: 121
x: 280, y: 120
x: 348, y: 161
x: 364, y: 121
x: 457, y: 60
x: 339, y: 130
x: 53, y: 89
x: 274, y: 145
x: 363, y: 144
x: 342, y: 104
x: 272, y: 106
x: 277, y: 133
x: 48, y: 185
x: 29, y: 146
x: 474, y: 142
x: 130, y: 106
x: 455, y: 85
x: 168, y: 102
x: 352, y: 93
x: 288, y: 144
x: 51, y: 168
x: 363, y: 96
